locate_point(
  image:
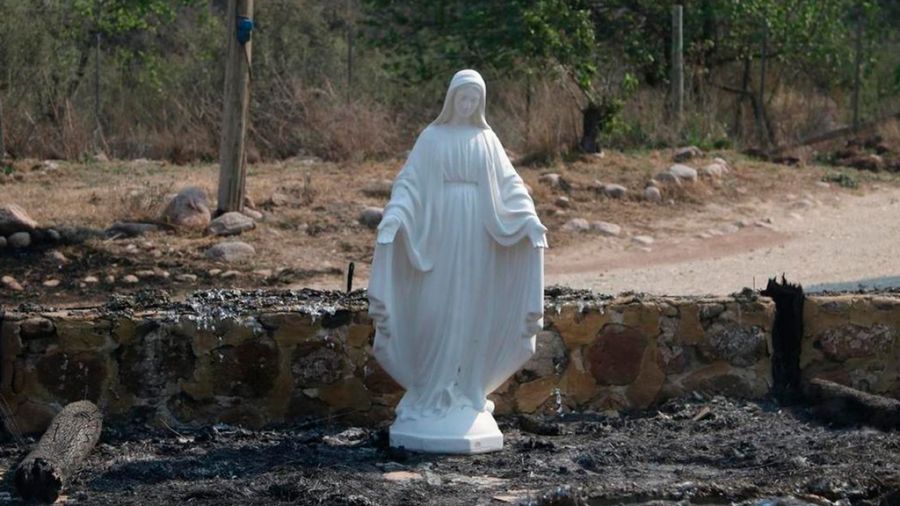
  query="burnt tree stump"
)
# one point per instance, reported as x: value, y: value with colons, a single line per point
x: 787, y: 335
x: 58, y: 455
x: 842, y: 405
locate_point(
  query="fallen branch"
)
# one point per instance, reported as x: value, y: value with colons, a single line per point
x: 70, y: 438
x: 843, y: 405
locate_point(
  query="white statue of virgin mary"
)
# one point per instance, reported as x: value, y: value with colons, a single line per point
x: 456, y: 290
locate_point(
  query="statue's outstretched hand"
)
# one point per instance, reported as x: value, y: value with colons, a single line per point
x: 537, y: 233
x: 387, y: 229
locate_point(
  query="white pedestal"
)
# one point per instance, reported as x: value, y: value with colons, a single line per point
x: 463, y: 430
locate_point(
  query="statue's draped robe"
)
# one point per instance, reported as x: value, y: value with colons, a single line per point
x: 457, y: 296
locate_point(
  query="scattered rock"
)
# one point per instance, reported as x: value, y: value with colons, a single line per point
x: 14, y: 219
x: 214, y: 272
x: 803, y: 204
x: 643, y: 240
x: 186, y: 278
x: 577, y: 225
x: 729, y: 228
x: 608, y: 229
x: 91, y: 280
x: 231, y: 251
x: 252, y: 213
x: 401, y: 476
x: 652, y: 194
x: 145, y: 274
x: 615, y: 191
x: 51, y: 283
x: 11, y: 283
x: 370, y: 217
x: 787, y: 160
x: 130, y: 279
x: 555, y: 181
x: 683, y: 172
x: 189, y: 209
x: 263, y: 273
x: 666, y: 177
x: 230, y: 274
x: 19, y: 240
x: 231, y: 223
x: 563, y: 202
x: 872, y: 163
x: 379, y: 189
x: 129, y: 229
x: 278, y: 200
x: 686, y: 153
x: 714, y: 170
x: 109, y: 279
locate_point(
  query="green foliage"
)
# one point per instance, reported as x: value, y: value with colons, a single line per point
x: 842, y: 179
x: 428, y: 40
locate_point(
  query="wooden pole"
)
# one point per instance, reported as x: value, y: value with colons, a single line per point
x: 858, y: 63
x: 677, y: 66
x: 232, y: 159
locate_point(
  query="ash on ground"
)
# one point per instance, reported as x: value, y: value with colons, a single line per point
x: 689, y: 451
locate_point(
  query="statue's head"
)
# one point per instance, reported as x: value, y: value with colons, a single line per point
x: 465, y: 100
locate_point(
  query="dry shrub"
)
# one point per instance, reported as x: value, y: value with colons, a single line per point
x: 298, y: 120
x: 143, y: 203
x: 890, y: 132
x: 539, y: 129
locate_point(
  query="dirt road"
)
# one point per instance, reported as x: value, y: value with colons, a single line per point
x: 828, y: 239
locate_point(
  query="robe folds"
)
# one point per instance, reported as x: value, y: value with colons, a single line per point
x: 457, y: 295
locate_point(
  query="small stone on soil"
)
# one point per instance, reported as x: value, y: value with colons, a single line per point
x: 11, y: 283
x: 19, y: 240
x: 130, y: 279
x: 51, y: 283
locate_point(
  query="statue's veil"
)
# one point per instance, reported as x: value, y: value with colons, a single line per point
x: 462, y: 78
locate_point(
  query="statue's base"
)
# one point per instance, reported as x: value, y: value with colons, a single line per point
x: 463, y: 430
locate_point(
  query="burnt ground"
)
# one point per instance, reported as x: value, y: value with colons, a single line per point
x: 689, y: 451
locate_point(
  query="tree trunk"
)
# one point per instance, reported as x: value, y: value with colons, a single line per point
x: 2, y: 145
x: 738, y: 128
x: 843, y: 405
x: 787, y: 333
x: 591, y: 117
x: 58, y: 455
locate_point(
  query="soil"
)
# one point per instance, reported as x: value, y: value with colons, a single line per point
x: 690, y: 451
x: 310, y: 240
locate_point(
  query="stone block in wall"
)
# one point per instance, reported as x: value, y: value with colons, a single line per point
x: 82, y: 334
x: 578, y: 385
x: 153, y: 363
x: 722, y: 378
x: 853, y: 340
x: 73, y: 376
x: 615, y: 356
x: 550, y: 358
x: 579, y: 325
x: 531, y: 395
x: 644, y: 390
x: 247, y: 370
x: 290, y: 329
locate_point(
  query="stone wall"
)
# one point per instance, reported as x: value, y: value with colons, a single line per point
x: 294, y: 357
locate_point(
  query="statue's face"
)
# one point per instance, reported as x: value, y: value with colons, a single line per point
x: 466, y: 101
